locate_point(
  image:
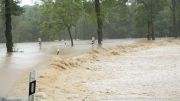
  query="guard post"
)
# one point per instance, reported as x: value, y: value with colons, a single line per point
x: 93, y: 42
x: 32, y: 86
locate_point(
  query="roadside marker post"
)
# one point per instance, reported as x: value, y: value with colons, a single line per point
x: 32, y: 86
x: 93, y: 41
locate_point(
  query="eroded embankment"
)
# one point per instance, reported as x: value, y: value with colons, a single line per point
x: 53, y: 82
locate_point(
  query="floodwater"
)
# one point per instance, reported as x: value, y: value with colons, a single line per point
x: 146, y: 75
x: 30, y: 56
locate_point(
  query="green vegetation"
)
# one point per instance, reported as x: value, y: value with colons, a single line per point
x: 82, y: 19
x: 60, y: 16
x: 9, y: 8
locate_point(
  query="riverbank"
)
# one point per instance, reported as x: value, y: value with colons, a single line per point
x: 107, y: 73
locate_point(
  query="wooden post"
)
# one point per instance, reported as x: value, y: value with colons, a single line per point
x: 32, y: 85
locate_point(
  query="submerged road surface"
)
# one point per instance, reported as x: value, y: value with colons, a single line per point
x: 145, y: 75
x: 13, y: 66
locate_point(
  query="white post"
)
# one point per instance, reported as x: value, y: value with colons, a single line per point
x: 40, y: 43
x: 93, y: 41
x: 32, y: 85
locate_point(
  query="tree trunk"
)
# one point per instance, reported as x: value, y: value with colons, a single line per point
x: 174, y: 18
x: 152, y: 22
x: 99, y: 21
x: 8, y: 33
x: 70, y: 35
x: 148, y: 34
x: 152, y: 29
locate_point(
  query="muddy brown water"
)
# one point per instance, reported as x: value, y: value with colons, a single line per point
x: 30, y: 56
x: 146, y: 75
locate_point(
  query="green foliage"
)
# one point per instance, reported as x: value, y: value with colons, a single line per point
x: 26, y: 26
x: 16, y: 10
x: 146, y: 14
x: 57, y: 16
x: 119, y: 20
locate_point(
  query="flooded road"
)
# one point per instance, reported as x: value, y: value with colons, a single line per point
x: 13, y: 66
x: 142, y: 72
x: 147, y: 75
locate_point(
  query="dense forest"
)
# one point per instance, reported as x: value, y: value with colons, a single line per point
x: 55, y: 20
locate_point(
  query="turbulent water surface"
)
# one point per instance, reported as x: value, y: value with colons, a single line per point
x: 30, y: 56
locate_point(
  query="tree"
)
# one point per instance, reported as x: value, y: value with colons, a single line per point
x: 26, y: 27
x: 50, y: 20
x: 10, y: 8
x: 148, y: 9
x: 163, y: 23
x: 173, y: 9
x: 64, y: 15
x: 119, y: 23
x: 99, y: 21
x: 8, y: 33
x: 100, y: 16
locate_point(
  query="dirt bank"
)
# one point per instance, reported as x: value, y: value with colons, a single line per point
x: 110, y: 74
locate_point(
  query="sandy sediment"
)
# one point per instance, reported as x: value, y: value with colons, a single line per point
x: 66, y: 78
